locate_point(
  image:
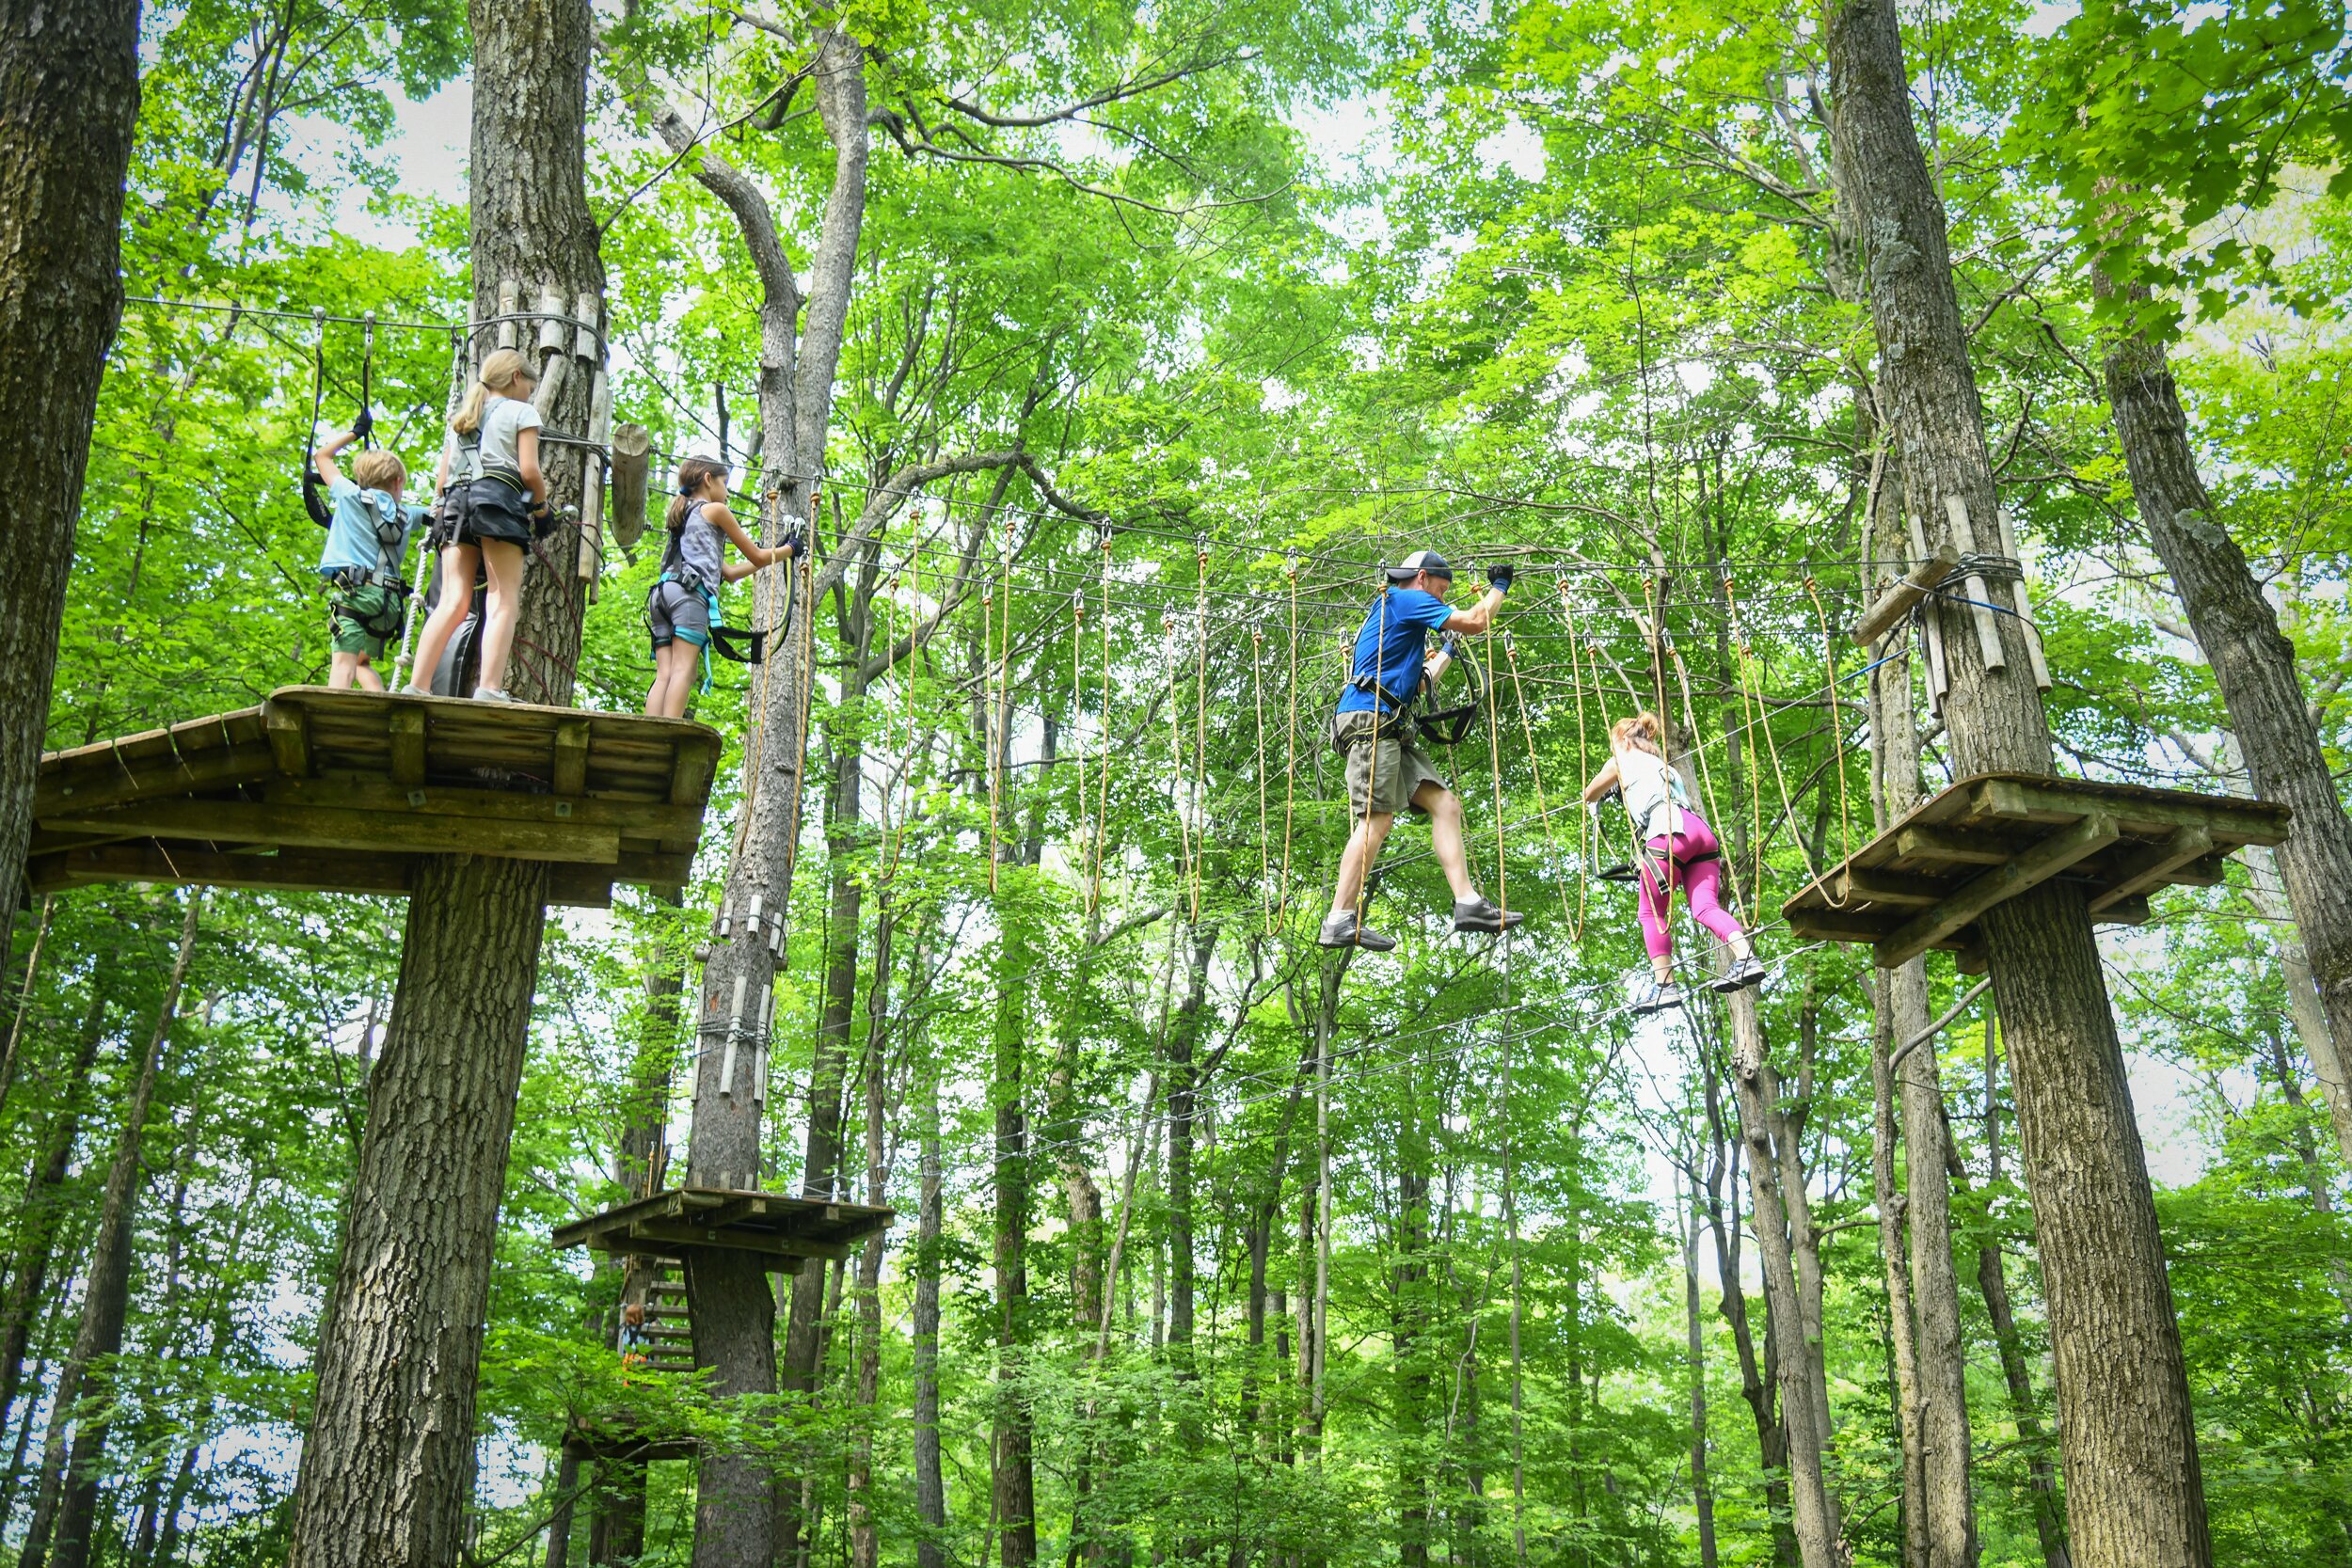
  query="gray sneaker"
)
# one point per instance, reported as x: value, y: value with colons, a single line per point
x: 1345, y: 930
x: 1484, y: 915
x: 490, y: 694
x: 1742, y: 974
x: 1656, y: 996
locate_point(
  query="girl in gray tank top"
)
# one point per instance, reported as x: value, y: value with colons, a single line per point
x: 683, y: 603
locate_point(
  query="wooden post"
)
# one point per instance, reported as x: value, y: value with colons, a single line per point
x: 592, y: 484
x: 632, y: 456
x: 551, y: 333
x: 509, y: 301
x: 587, y: 311
x: 1891, y: 605
x: 1988, y: 633
x: 1939, y: 678
x: 2025, y: 605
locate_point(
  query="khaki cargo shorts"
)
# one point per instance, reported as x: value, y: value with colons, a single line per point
x: 1382, y: 777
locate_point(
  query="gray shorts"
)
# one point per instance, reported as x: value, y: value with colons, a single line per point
x: 1383, y: 774
x: 675, y: 613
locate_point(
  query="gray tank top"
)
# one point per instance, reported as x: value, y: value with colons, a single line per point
x: 700, y: 546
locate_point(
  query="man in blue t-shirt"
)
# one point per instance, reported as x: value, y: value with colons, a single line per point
x: 367, y: 543
x: 1386, y: 771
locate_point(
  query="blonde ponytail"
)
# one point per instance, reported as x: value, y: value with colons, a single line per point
x: 1641, y: 733
x: 499, y: 373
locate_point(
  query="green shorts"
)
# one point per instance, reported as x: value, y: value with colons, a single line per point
x: 1383, y: 775
x: 365, y: 619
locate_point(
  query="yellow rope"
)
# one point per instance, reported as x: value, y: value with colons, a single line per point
x: 1257, y: 700
x: 1201, y: 716
x: 1750, y: 709
x: 1176, y: 754
x: 1289, y: 748
x: 1586, y: 851
x: 1102, y: 773
x: 1494, y: 766
x: 1077, y: 691
x: 1657, y: 623
x: 1543, y: 808
x: 1836, y: 735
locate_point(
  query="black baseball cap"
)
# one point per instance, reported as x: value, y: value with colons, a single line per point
x: 1417, y: 562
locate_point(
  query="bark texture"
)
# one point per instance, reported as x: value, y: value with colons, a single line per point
x: 68, y: 97
x: 390, y: 1459
x: 2132, y: 1483
x: 106, y: 1301
x: 2253, y: 664
x: 387, y: 1465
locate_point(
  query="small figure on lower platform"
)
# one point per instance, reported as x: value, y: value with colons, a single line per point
x: 367, y: 543
x: 636, y: 1344
x: 683, y: 605
x: 1673, y: 847
x: 493, y: 502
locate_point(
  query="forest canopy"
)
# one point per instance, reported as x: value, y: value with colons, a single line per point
x: 1098, y: 363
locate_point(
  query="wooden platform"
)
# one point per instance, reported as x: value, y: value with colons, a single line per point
x: 1925, y: 883
x: 668, y: 1222
x: 345, y: 791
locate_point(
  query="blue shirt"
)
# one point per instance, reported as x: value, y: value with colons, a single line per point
x: 1396, y: 635
x: 351, y: 537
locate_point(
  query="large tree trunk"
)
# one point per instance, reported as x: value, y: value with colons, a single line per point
x: 39, y: 1221
x: 2267, y: 889
x: 865, y: 1534
x: 1702, y: 1489
x: 69, y: 98
x: 931, y: 1485
x: 1015, y: 1482
x: 389, y: 1462
x: 1902, y: 1350
x: 1408, y: 1310
x: 1937, y: 1404
x: 106, y: 1301
x: 1758, y: 1379
x: 2133, y: 1485
x: 2253, y: 663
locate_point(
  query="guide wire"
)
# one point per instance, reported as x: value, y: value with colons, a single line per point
x: 1176, y: 761
x: 1257, y: 700
x: 1201, y: 716
x: 1103, y: 781
x: 1290, y: 759
x: 1836, y: 738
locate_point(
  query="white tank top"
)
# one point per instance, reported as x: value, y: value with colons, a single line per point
x: 1653, y: 793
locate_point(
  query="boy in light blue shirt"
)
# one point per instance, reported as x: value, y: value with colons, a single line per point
x: 367, y: 543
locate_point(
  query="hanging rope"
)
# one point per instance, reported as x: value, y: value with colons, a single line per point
x: 1494, y: 769
x: 1664, y: 866
x: 1256, y: 701
x: 1102, y: 780
x: 1176, y: 759
x: 1542, y: 807
x: 1836, y: 733
x: 1077, y: 691
x: 989, y: 718
x: 1201, y: 711
x: 1289, y: 747
x: 1751, y: 706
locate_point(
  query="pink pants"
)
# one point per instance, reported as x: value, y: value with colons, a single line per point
x: 1697, y: 878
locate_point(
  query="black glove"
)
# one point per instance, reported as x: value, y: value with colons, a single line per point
x: 796, y: 542
x: 1498, y: 578
x: 364, y: 426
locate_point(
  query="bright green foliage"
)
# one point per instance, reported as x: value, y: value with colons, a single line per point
x: 1582, y: 297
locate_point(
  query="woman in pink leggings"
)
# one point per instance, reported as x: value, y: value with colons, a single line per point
x: 1680, y: 852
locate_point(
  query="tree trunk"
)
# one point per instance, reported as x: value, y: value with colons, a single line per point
x: 1702, y: 1490
x: 2253, y: 664
x: 559, y: 1521
x: 865, y: 1537
x: 2134, y: 1490
x: 1931, y: 1340
x: 39, y: 1219
x: 1758, y: 1383
x: 931, y: 1486
x: 2049, y: 1517
x: 1015, y: 1502
x: 388, y: 1466
x: 1757, y: 1088
x: 389, y: 1463
x: 2268, y: 892
x: 1902, y: 1350
x: 1182, y: 1039
x: 69, y: 98
x: 105, y: 1301
x: 1407, y: 1313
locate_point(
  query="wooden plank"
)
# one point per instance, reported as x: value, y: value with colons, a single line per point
x: 2001, y: 884
x: 87, y: 789
x: 1892, y: 606
x: 148, y: 862
x: 1988, y: 631
x: 695, y: 765
x: 580, y: 887
x: 289, y: 739
x: 1883, y: 887
x: 2228, y: 821
x: 333, y: 828
x: 407, y: 729
x: 1960, y: 846
x: 2151, y: 867
x: 571, y: 756
x: 687, y: 1233
x: 649, y: 821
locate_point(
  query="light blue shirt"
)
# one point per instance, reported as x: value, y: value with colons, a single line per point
x: 1392, y: 646
x: 351, y: 543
